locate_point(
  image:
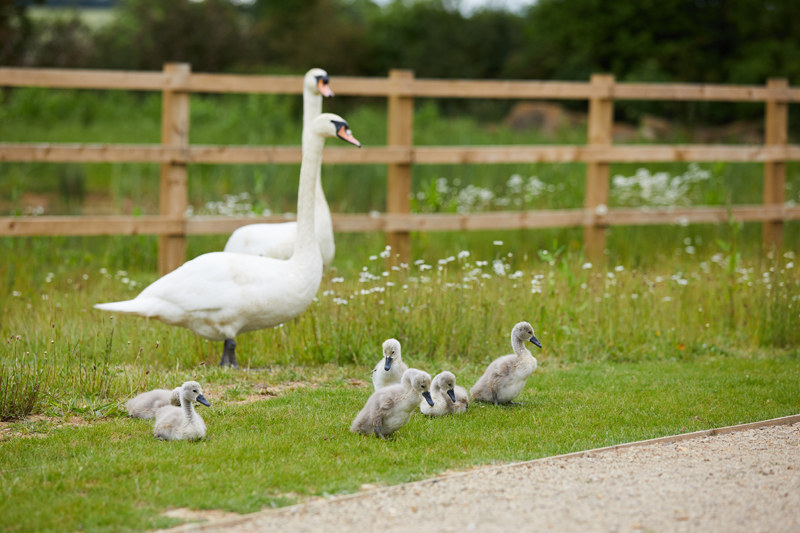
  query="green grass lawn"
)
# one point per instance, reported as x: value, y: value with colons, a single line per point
x: 113, y: 476
x: 679, y: 329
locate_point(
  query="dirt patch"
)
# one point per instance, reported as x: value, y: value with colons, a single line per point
x: 356, y: 383
x: 30, y: 427
x: 281, y: 388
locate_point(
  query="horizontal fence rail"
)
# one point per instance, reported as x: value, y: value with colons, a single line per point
x: 447, y: 155
x: 502, y: 220
x: 176, y: 82
x: 382, y: 87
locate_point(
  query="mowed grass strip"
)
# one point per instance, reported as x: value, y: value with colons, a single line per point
x: 112, y: 475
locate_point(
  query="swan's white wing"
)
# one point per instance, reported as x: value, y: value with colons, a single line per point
x: 265, y: 240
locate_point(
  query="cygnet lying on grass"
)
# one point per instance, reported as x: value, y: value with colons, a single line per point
x: 390, y: 408
x: 390, y: 369
x: 506, y: 377
x: 182, y: 423
x: 146, y: 404
x: 447, y: 397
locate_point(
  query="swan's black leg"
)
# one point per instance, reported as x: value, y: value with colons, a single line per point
x: 229, y: 354
x: 378, y: 432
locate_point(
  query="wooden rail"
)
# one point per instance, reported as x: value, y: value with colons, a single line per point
x: 404, y: 223
x: 177, y: 82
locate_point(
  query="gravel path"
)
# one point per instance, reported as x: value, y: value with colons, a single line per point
x: 742, y: 481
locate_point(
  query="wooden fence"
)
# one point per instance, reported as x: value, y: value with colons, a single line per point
x: 176, y: 82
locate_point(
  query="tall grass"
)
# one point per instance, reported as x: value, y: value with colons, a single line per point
x: 71, y: 358
x: 679, y: 292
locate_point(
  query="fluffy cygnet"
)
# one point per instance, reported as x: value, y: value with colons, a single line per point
x: 182, y: 423
x: 146, y: 404
x: 506, y: 377
x: 390, y: 408
x: 390, y: 369
x: 448, y: 398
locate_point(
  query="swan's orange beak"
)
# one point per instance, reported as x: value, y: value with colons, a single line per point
x: 324, y: 89
x: 347, y: 135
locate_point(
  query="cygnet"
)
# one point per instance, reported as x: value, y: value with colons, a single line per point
x: 390, y: 369
x: 506, y: 377
x: 390, y: 408
x: 448, y: 398
x: 146, y: 404
x: 182, y: 423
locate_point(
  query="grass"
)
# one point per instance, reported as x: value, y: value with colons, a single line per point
x: 113, y: 476
x: 681, y: 328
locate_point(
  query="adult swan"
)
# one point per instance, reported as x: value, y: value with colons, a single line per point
x: 277, y: 240
x: 221, y: 294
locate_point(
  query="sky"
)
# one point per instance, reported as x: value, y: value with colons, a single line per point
x: 467, y: 6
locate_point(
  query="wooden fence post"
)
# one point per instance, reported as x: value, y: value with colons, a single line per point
x: 174, y: 196
x: 400, y: 132
x: 601, y: 123
x: 775, y: 133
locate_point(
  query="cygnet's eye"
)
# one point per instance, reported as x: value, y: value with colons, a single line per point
x: 194, y: 390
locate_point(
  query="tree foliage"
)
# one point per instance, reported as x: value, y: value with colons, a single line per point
x: 713, y: 41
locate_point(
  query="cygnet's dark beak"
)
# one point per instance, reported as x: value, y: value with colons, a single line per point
x: 202, y: 399
x: 452, y: 395
x: 427, y: 396
x: 535, y: 341
x: 388, y: 365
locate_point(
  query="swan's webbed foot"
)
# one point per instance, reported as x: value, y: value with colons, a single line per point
x: 516, y: 404
x: 229, y: 354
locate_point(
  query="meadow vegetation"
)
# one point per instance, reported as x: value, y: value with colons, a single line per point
x: 679, y: 328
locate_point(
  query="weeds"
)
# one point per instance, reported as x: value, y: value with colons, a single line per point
x: 72, y: 358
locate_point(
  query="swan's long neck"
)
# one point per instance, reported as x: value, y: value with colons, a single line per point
x: 519, y: 346
x: 188, y: 410
x: 306, y: 242
x: 312, y: 108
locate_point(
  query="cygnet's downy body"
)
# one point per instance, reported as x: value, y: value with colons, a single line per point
x: 506, y: 377
x: 146, y: 404
x: 390, y: 408
x: 448, y: 398
x: 390, y: 369
x: 182, y: 423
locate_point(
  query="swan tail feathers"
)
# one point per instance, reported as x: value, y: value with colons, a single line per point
x: 144, y: 307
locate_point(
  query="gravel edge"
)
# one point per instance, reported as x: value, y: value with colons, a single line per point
x: 236, y: 520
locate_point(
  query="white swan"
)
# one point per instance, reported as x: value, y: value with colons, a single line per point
x: 506, y: 377
x: 146, y: 404
x: 390, y: 369
x: 448, y: 398
x: 277, y: 240
x: 390, y: 408
x: 220, y: 295
x: 182, y: 423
